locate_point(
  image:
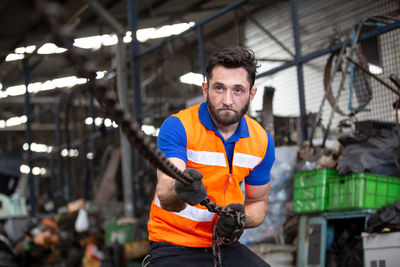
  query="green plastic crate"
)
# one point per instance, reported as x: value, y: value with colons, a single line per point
x: 310, y: 190
x: 362, y: 191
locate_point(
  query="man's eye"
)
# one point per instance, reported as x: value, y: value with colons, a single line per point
x: 238, y: 91
x: 218, y: 88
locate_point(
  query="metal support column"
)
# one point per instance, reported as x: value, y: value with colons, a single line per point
x: 300, y: 81
x: 91, y: 143
x: 137, y: 89
x: 135, y: 64
x: 126, y: 148
x: 28, y: 138
x: 59, y: 175
x: 85, y: 171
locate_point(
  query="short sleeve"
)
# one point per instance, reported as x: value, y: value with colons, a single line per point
x: 172, y: 139
x: 261, y: 174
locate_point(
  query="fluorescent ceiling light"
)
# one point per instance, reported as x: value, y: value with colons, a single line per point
x: 13, y: 121
x: 375, y: 69
x: 142, y: 35
x: 110, y: 40
x: 72, y: 153
x: 37, y: 87
x: 39, y: 148
x: 24, y: 169
x: 89, y: 121
x: 147, y: 129
x: 100, y: 74
x: 34, y: 87
x: 69, y: 81
x: 50, y: 48
x: 30, y: 49
x: 13, y: 57
x: 95, y: 42
x: 107, y: 122
x: 99, y: 121
x: 22, y: 50
x: 127, y: 39
x: 48, y: 85
x: 35, y: 170
x: 192, y: 78
x: 15, y: 90
x: 150, y: 130
x: 91, y: 42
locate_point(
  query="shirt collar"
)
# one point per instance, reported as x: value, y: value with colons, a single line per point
x: 205, y: 119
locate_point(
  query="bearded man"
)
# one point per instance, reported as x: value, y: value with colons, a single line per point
x: 220, y: 146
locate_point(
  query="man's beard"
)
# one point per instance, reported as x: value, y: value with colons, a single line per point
x: 226, y: 120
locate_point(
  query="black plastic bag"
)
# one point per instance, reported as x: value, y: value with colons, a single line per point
x: 386, y: 217
x: 375, y: 155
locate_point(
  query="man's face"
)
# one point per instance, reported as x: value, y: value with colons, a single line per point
x: 228, y: 95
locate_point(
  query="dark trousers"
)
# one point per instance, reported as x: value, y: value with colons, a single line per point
x: 164, y: 254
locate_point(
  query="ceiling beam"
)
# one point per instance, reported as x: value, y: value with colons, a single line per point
x: 34, y: 127
x: 33, y: 100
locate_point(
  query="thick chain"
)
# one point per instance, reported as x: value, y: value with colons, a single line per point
x: 63, y: 37
x: 217, y: 239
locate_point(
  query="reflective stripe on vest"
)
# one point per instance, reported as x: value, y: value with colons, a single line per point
x: 245, y: 160
x: 207, y: 158
x: 191, y: 212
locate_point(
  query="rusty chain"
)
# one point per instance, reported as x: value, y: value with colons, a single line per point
x: 51, y: 14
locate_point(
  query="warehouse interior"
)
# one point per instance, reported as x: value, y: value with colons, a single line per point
x: 77, y: 175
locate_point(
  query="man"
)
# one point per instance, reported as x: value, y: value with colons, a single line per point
x: 220, y: 147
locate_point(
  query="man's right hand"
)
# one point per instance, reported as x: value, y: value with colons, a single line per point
x: 194, y: 193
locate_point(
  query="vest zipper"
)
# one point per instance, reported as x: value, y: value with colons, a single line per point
x: 226, y: 185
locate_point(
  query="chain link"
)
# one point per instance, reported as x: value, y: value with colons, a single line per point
x: 63, y: 36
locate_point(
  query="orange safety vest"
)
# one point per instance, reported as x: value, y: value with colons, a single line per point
x: 192, y: 227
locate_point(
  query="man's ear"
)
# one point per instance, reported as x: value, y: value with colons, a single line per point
x: 253, y: 92
x: 204, y: 87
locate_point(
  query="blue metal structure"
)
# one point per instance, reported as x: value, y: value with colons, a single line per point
x: 305, y: 249
x: 299, y: 67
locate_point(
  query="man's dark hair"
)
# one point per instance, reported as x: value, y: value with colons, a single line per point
x: 234, y: 57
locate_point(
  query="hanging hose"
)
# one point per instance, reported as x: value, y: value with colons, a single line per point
x: 363, y: 89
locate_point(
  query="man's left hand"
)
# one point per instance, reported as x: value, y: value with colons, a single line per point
x: 225, y: 224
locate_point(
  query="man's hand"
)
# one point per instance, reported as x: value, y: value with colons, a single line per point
x: 225, y: 224
x: 194, y: 193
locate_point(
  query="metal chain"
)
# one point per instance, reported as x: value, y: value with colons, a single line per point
x: 63, y: 36
x: 217, y: 239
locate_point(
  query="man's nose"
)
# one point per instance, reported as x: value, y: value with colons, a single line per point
x: 227, y: 100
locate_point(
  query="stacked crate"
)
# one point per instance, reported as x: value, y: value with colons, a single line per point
x: 324, y: 190
x: 311, y: 190
x: 362, y: 191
